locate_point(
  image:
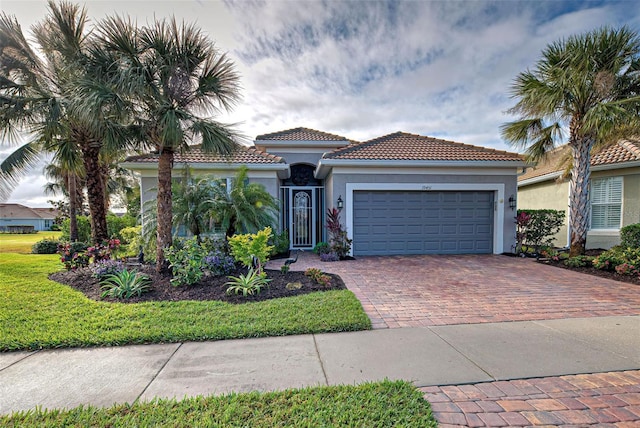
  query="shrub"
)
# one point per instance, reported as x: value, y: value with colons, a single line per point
x: 537, y: 228
x: 247, y: 246
x: 104, y: 268
x: 248, y: 284
x: 609, y: 259
x: 630, y: 236
x: 338, y: 240
x: 71, y: 258
x: 131, y: 239
x: 125, y: 284
x: 45, y: 246
x: 331, y: 256
x: 280, y: 242
x: 115, y: 224
x: 84, y: 229
x: 104, y: 251
x: 285, y: 268
x: 627, y: 269
x: 321, y: 248
x: 218, y: 263
x: 185, y: 259
x: 578, y: 261
x: 318, y: 276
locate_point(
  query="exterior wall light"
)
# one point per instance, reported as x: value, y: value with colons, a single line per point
x: 512, y: 202
x: 340, y: 202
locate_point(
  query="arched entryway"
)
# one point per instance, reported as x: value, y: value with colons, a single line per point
x: 302, y: 197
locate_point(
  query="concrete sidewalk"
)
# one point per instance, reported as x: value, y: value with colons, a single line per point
x: 438, y: 355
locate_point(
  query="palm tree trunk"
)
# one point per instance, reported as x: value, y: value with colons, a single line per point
x: 165, y: 210
x: 73, y: 207
x: 579, y: 192
x: 95, y: 193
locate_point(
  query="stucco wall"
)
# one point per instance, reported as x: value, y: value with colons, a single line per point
x: 549, y: 195
x: 38, y: 224
x: 477, y: 176
x: 311, y: 158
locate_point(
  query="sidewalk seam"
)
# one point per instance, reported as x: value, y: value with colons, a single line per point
x: 324, y: 373
x: 158, y: 373
x: 37, y: 351
x: 463, y: 354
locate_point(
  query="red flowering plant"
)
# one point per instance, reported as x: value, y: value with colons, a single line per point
x: 70, y: 258
x: 105, y: 251
x: 522, y: 223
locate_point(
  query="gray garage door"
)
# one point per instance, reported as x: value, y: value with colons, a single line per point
x: 400, y: 222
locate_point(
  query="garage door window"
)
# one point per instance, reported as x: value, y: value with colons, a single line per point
x: 606, y: 203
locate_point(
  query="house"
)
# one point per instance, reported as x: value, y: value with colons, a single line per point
x: 400, y: 193
x: 19, y: 218
x: 615, y: 191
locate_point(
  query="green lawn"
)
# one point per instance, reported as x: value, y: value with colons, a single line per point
x: 38, y: 313
x: 21, y: 243
x: 381, y: 404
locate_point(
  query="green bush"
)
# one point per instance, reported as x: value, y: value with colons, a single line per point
x: 45, y: 246
x: 131, y: 240
x: 321, y: 248
x: 579, y: 261
x: 115, y: 224
x: 630, y: 236
x: 537, y: 228
x: 185, y: 259
x: 280, y: 243
x: 609, y: 259
x: 84, y: 229
x: 247, y: 246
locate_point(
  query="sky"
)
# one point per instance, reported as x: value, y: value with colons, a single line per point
x: 363, y: 69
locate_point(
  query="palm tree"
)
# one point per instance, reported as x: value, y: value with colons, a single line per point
x: 177, y: 79
x: 245, y: 207
x: 590, y: 84
x: 192, y: 204
x: 35, y: 98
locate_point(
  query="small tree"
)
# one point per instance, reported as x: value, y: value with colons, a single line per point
x: 338, y: 239
x: 537, y: 228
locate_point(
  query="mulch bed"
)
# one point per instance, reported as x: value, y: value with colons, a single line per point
x: 590, y: 270
x: 210, y: 288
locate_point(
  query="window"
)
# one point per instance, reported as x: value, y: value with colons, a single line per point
x: 606, y: 203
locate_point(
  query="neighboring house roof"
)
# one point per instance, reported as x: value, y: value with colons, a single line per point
x: 17, y: 211
x: 300, y: 134
x: 195, y: 155
x: 626, y: 150
x: 401, y: 146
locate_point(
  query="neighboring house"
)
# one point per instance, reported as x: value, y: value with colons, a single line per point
x: 615, y: 191
x: 18, y: 218
x: 401, y: 193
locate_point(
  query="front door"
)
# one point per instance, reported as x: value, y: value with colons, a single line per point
x: 302, y: 218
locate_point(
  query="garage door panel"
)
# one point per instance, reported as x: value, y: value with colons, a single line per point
x: 408, y: 222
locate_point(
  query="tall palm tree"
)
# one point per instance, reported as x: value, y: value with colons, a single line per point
x: 35, y: 98
x: 590, y: 84
x: 178, y: 80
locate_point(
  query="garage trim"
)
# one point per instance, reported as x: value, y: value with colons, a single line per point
x: 498, y: 188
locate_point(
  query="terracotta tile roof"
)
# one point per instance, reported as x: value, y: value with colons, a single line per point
x: 242, y: 155
x: 301, y: 134
x: 627, y: 150
x: 19, y: 211
x: 404, y: 146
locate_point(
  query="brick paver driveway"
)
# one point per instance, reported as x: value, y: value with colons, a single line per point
x: 422, y: 291
x: 417, y: 291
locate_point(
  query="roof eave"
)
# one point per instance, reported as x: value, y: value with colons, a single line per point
x: 325, y: 165
x: 147, y: 166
